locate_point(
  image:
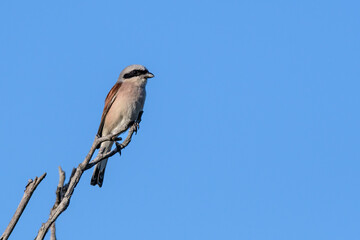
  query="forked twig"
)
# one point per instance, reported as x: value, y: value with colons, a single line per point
x: 29, y: 190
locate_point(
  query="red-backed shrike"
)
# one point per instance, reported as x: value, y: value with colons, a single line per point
x: 123, y: 105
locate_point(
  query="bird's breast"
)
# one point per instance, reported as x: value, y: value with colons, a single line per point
x: 126, y: 106
x: 131, y: 101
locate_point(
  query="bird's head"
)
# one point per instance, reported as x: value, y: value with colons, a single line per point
x: 135, y: 73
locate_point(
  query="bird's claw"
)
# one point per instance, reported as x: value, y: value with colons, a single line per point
x: 137, y: 127
x: 118, y: 147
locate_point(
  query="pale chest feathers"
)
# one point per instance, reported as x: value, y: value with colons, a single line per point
x: 130, y: 100
x: 128, y: 103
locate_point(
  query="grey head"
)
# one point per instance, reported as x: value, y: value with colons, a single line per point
x: 135, y: 71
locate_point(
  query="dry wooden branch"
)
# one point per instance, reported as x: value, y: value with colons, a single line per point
x: 59, y: 196
x: 118, y: 149
x: 75, y: 178
x: 29, y: 190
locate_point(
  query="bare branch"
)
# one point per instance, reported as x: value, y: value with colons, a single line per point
x: 76, y: 175
x: 118, y: 149
x: 29, y: 190
x: 59, y: 196
x: 53, y: 231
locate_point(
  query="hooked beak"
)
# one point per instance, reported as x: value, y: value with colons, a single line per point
x: 149, y: 75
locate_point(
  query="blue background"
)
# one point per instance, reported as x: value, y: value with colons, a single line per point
x: 250, y: 130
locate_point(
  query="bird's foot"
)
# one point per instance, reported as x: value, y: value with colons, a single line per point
x: 137, y: 127
x: 118, y: 147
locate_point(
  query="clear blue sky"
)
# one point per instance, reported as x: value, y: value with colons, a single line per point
x: 250, y: 130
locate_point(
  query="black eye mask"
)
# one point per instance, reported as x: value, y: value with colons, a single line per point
x: 135, y: 73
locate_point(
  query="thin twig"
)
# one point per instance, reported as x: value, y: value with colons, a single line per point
x: 118, y: 149
x: 29, y: 190
x: 59, y: 196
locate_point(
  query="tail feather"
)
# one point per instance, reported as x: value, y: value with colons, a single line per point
x: 99, y: 171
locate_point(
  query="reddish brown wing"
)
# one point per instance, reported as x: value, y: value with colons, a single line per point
x: 108, y: 102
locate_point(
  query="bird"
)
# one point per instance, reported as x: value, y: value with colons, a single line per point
x: 123, y: 104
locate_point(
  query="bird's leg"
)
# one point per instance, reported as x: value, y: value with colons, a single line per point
x: 137, y: 122
x: 132, y: 124
x: 139, y: 117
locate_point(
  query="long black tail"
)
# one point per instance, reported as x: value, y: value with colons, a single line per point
x: 99, y: 171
